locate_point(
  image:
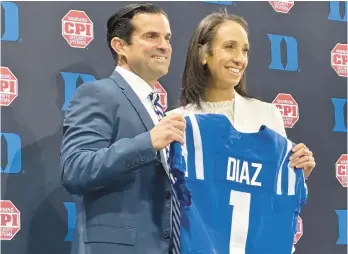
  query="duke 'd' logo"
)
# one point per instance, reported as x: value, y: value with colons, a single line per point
x: 339, y: 59
x: 282, y: 6
x: 77, y: 29
x: 8, y: 86
x: 288, y: 107
x: 10, y: 220
x: 299, y: 232
x: 162, y: 94
x: 341, y: 170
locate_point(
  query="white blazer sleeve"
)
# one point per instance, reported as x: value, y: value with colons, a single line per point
x: 278, y: 121
x: 178, y: 110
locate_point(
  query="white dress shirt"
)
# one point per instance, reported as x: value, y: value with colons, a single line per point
x: 142, y: 90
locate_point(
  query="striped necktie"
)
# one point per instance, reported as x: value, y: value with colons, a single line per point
x: 154, y: 98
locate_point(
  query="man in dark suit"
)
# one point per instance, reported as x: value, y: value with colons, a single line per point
x: 113, y: 156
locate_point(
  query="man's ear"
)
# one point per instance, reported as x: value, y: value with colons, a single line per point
x: 119, y: 46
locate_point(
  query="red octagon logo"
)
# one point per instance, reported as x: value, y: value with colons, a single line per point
x: 299, y: 232
x: 339, y: 59
x: 162, y: 94
x: 288, y: 107
x: 341, y: 170
x: 282, y: 6
x: 77, y: 29
x: 8, y: 87
x: 10, y: 220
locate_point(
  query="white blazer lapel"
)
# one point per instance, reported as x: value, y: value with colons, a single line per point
x: 243, y: 120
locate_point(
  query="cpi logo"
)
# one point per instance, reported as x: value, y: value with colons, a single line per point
x: 299, y: 232
x: 10, y: 220
x: 282, y: 6
x: 162, y: 94
x: 11, y: 21
x: 341, y: 170
x: 13, y: 152
x: 8, y: 87
x: 77, y: 29
x: 339, y: 59
x: 288, y: 107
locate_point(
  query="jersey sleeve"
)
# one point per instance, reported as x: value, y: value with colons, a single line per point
x: 301, y: 187
x: 178, y: 168
x: 296, y: 183
x: 176, y: 160
x: 291, y: 181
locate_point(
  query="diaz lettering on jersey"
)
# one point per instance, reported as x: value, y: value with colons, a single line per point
x: 240, y: 171
x: 335, y: 13
x: 11, y: 21
x: 70, y: 84
x: 276, y: 54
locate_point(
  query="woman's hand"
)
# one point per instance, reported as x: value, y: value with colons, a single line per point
x: 302, y: 157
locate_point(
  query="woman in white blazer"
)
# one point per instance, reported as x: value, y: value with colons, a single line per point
x: 214, y: 81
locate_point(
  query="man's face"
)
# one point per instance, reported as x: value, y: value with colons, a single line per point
x: 150, y: 50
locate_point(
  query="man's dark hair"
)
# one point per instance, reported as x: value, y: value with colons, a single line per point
x: 196, y: 76
x: 119, y: 24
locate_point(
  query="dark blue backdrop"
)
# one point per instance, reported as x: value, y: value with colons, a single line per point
x: 291, y: 54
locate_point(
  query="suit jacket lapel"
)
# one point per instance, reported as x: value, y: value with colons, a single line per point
x: 134, y: 100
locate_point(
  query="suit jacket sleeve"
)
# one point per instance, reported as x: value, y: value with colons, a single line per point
x: 89, y: 159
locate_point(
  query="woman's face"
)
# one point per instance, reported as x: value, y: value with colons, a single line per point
x: 229, y: 55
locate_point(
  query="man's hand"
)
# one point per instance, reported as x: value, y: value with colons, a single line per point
x: 170, y: 128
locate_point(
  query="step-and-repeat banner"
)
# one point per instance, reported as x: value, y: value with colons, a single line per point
x: 298, y: 62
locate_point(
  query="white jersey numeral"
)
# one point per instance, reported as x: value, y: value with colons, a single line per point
x: 240, y: 221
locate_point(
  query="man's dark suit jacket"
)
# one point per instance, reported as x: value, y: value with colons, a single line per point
x: 109, y: 165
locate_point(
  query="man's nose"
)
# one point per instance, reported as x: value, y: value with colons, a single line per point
x: 163, y: 44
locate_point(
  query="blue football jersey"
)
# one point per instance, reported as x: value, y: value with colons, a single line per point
x: 245, y: 197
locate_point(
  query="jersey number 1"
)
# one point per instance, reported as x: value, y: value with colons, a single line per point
x: 240, y: 221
